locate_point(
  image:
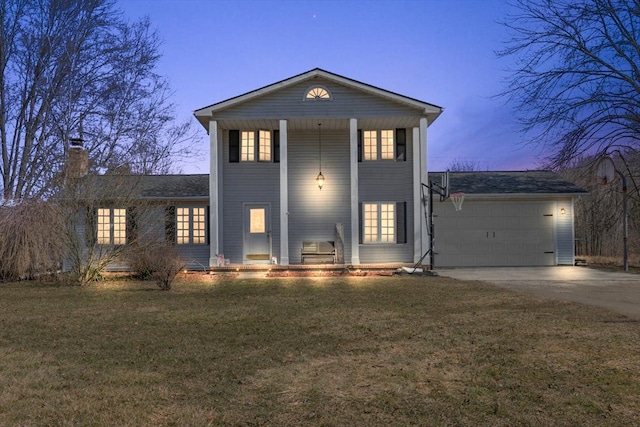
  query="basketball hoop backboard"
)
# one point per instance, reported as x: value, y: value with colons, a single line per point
x: 605, y: 171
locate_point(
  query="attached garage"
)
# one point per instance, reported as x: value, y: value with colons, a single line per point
x: 507, y: 219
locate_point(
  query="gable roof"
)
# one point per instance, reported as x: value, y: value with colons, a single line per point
x: 538, y: 182
x: 430, y: 110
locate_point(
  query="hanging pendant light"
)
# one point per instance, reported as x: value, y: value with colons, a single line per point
x: 320, y: 177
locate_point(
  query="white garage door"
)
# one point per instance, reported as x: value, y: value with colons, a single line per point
x: 494, y: 234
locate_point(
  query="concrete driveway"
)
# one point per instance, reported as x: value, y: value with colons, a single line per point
x: 619, y: 292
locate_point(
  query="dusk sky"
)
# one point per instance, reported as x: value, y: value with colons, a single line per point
x: 441, y: 52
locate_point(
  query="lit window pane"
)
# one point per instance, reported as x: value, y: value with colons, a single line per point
x: 104, y: 226
x: 182, y: 226
x: 387, y: 222
x: 198, y: 226
x: 370, y: 223
x: 386, y: 145
x: 248, y: 147
x: 190, y: 226
x: 318, y: 93
x: 379, y: 222
x: 265, y: 146
x: 119, y: 226
x: 257, y: 222
x: 370, y: 145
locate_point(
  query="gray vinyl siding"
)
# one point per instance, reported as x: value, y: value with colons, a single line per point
x: 313, y: 213
x: 247, y: 182
x: 346, y: 102
x: 565, y: 234
x: 388, y: 181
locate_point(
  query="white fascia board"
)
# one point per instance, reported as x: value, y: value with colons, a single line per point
x: 522, y: 196
x: 427, y: 108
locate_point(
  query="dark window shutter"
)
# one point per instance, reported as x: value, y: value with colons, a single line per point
x: 234, y: 146
x: 360, y: 225
x: 360, y: 146
x: 91, y: 228
x: 401, y: 222
x: 276, y: 146
x: 206, y: 225
x: 401, y: 144
x: 170, y: 224
x: 132, y: 225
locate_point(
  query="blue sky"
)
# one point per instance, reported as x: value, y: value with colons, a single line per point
x: 442, y: 52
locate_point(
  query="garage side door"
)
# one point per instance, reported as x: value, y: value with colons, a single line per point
x: 494, y: 234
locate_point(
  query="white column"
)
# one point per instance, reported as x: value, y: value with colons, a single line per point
x: 426, y: 244
x: 418, y: 212
x: 214, y: 248
x: 284, y: 196
x: 355, y: 220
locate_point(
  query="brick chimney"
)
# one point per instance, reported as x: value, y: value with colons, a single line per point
x: 77, y: 160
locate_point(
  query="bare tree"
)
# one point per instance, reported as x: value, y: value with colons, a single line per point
x: 76, y: 68
x: 576, y: 83
x: 462, y: 165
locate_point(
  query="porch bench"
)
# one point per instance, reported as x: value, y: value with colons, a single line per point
x: 318, y: 253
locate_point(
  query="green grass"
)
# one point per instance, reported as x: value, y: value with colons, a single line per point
x: 312, y: 351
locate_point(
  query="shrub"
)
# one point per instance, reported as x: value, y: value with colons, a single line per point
x: 158, y: 262
x: 30, y: 240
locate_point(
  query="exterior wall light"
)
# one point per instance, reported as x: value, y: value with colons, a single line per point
x: 320, y: 177
x: 320, y: 180
x: 563, y: 211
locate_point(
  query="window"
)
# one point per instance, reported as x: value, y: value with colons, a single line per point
x: 317, y: 93
x: 379, y: 222
x: 264, y: 146
x: 112, y: 226
x: 386, y: 145
x: 375, y: 148
x: 370, y: 145
x: 248, y: 146
x: 190, y: 226
x: 251, y: 146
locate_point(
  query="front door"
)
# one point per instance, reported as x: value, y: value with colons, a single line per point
x: 257, y: 233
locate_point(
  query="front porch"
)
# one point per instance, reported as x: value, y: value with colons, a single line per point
x: 311, y: 270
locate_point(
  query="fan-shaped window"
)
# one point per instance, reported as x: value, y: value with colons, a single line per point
x: 317, y: 93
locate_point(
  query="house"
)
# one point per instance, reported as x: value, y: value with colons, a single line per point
x: 322, y: 168
x: 269, y: 146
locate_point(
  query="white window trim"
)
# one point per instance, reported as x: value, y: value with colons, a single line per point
x: 190, y: 223
x: 242, y: 146
x: 316, y: 99
x: 379, y: 145
x: 110, y: 224
x: 256, y: 146
x: 378, y: 240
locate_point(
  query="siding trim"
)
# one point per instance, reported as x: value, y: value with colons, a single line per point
x: 284, y: 193
x: 417, y: 199
x: 355, y: 229
x: 214, y: 193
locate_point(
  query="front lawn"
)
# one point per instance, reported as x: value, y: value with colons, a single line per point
x: 311, y: 351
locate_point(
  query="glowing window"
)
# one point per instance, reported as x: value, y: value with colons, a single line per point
x: 112, y: 226
x: 190, y: 226
x: 379, y: 222
x: 257, y: 223
x: 370, y: 145
x: 264, y: 146
x: 248, y: 146
x: 317, y: 93
x: 386, y: 145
